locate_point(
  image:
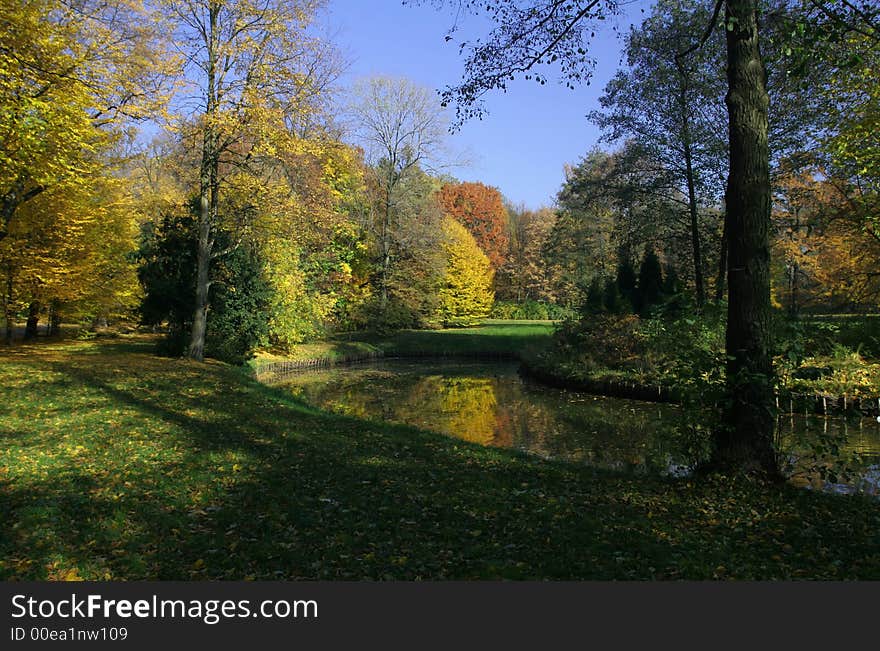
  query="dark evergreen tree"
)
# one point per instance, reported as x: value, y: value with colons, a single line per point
x: 626, y: 281
x: 167, y: 259
x: 238, y: 297
x: 650, y: 288
x: 239, y: 301
x: 612, y: 300
x: 674, y: 298
x: 595, y: 297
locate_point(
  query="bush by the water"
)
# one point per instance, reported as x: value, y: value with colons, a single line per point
x: 530, y: 311
x: 685, y: 353
x: 666, y: 349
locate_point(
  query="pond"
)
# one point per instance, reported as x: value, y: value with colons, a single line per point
x: 491, y: 404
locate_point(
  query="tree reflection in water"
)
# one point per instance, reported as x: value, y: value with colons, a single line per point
x: 490, y: 404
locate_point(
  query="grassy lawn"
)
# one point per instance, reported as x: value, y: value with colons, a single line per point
x: 116, y: 464
x: 493, y: 337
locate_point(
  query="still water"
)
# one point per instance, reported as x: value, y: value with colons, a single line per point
x: 490, y: 404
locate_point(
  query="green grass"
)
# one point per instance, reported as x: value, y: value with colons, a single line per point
x: 494, y: 337
x: 116, y: 464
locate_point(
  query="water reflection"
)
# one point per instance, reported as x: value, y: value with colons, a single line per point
x: 840, y: 455
x: 490, y: 404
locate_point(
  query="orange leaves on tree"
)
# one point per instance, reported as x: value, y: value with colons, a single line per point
x: 480, y: 209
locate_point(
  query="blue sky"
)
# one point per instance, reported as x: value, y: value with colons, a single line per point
x: 531, y: 131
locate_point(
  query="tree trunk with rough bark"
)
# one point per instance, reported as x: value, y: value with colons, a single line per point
x: 746, y: 442
x: 203, y: 260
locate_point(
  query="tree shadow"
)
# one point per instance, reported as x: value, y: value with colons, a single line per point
x: 210, y: 475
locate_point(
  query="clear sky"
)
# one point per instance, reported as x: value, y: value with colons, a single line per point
x: 531, y: 131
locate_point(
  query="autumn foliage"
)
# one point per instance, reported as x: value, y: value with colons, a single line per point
x: 826, y: 248
x: 481, y: 210
x: 466, y: 295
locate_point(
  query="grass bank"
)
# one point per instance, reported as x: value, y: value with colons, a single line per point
x: 116, y: 464
x: 494, y: 338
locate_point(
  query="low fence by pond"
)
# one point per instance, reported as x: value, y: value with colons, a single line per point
x: 827, y: 405
x: 270, y: 371
x: 786, y: 402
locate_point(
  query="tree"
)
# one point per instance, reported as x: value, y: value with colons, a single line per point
x: 552, y: 31
x: 833, y: 50
x: 594, y: 302
x: 466, y: 294
x: 626, y: 282
x: 299, y: 206
x: 650, y: 287
x: 673, y: 106
x: 853, y: 122
x: 401, y: 128
x: 250, y: 64
x: 68, y: 255
x: 747, y: 441
x: 70, y: 74
x: 826, y: 255
x: 582, y: 243
x: 481, y: 210
x: 612, y: 300
x: 239, y: 298
x: 526, y: 273
x: 619, y: 203
x: 418, y: 259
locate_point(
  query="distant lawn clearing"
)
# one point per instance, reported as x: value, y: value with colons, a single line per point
x: 116, y: 464
x: 494, y: 337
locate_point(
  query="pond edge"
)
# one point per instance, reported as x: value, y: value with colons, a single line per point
x: 786, y: 402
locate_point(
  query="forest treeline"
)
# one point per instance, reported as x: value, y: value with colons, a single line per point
x: 195, y: 164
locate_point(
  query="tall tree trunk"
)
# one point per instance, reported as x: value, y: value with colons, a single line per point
x: 208, y: 195
x: 746, y: 443
x: 30, y: 328
x: 386, y: 244
x: 203, y: 261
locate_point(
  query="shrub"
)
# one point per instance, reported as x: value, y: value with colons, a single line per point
x: 530, y: 311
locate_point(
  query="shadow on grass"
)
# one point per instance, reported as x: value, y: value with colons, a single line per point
x: 208, y: 475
